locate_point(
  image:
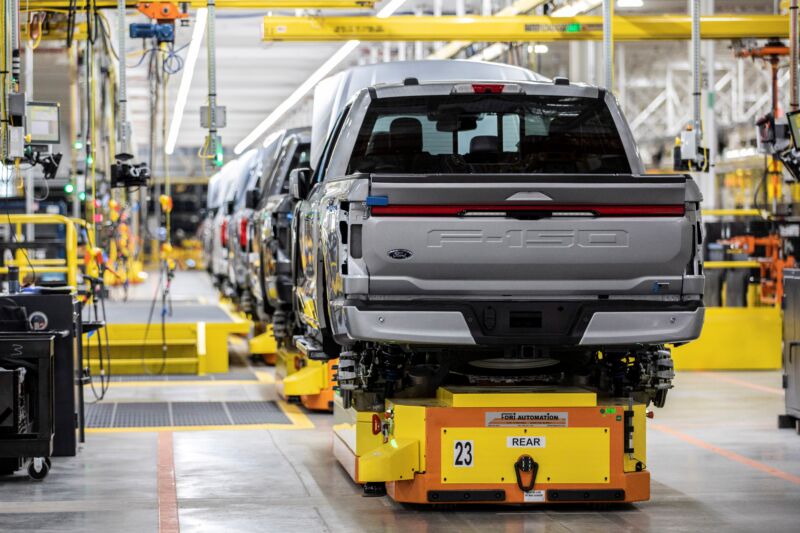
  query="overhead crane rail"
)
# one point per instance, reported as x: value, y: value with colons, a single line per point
x: 521, y: 28
x: 44, y: 5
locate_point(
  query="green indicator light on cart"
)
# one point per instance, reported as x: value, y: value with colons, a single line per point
x: 573, y: 27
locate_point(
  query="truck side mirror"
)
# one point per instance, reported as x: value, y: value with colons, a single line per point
x: 299, y: 182
x: 251, y: 199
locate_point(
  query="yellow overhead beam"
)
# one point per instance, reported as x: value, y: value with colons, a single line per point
x: 520, y: 28
x: 43, y: 5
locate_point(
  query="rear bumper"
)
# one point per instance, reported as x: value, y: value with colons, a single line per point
x: 609, y: 328
x: 569, y: 323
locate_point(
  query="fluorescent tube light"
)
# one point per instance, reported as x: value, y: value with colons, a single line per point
x: 346, y: 49
x: 186, y: 78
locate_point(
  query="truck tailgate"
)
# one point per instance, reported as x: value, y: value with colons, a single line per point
x: 479, y: 235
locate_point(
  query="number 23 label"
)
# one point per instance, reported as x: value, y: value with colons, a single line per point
x: 463, y: 453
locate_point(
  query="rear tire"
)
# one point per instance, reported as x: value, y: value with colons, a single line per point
x: 329, y: 345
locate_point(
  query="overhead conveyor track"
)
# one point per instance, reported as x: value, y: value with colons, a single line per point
x: 521, y: 28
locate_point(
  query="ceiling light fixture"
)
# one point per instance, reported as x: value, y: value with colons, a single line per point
x: 186, y: 79
x: 346, y: 49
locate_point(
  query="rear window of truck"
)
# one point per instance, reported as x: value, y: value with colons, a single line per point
x: 489, y: 133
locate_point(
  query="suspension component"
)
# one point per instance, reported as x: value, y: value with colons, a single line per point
x: 346, y: 376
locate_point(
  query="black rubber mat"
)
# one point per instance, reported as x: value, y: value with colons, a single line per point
x: 141, y: 414
x: 199, y: 414
x: 100, y: 415
x: 252, y: 412
x: 238, y: 375
x: 182, y: 414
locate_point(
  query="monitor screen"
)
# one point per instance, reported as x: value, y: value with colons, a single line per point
x: 43, y: 123
x: 794, y: 127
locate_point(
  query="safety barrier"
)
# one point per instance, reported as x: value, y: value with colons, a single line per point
x: 27, y: 264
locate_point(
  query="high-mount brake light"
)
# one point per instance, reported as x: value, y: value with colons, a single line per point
x: 487, y: 88
x: 243, y: 233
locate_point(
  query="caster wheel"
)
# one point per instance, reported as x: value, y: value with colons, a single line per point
x: 786, y: 422
x: 374, y: 490
x: 38, y: 468
x: 48, y: 462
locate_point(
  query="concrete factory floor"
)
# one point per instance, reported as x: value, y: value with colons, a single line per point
x: 717, y: 463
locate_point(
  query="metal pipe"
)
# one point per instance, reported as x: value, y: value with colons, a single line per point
x: 710, y: 189
x: 437, y: 12
x: 608, y: 44
x: 793, y: 56
x: 122, y: 90
x: 15, y: 41
x: 74, y: 120
x: 211, y: 44
x: 29, y: 192
x: 696, y: 75
x: 4, y: 75
x: 419, y: 52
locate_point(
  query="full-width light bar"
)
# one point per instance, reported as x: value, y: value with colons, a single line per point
x: 186, y: 79
x: 318, y: 75
x: 599, y: 210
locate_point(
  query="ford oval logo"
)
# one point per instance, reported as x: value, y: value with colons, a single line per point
x: 399, y: 253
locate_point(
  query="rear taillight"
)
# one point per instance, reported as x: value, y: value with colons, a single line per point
x: 243, y: 233
x: 551, y: 209
x: 223, y: 234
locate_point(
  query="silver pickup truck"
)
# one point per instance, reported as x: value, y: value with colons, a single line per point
x: 493, y: 232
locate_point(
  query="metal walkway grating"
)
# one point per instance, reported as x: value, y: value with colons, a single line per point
x: 183, y: 414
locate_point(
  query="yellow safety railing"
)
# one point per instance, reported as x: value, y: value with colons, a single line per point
x: 733, y: 213
x: 22, y: 259
x: 731, y: 264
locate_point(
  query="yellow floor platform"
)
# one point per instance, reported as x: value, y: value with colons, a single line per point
x: 309, y: 381
x: 263, y: 345
x: 195, y: 335
x: 734, y: 338
x: 495, y: 445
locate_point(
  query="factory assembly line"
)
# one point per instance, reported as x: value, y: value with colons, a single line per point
x: 446, y: 284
